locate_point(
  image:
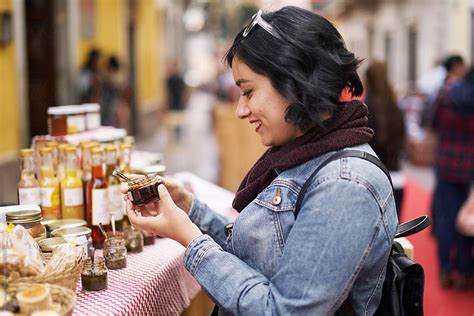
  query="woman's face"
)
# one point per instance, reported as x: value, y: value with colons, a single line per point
x: 263, y: 106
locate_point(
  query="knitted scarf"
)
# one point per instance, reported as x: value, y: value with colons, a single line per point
x: 346, y: 128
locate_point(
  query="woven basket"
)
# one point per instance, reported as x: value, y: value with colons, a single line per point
x: 60, y: 295
x: 67, y: 278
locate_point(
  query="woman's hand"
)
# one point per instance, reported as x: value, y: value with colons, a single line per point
x: 165, y: 219
x: 182, y: 197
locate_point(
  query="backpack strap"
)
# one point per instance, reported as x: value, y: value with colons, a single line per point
x: 341, y: 154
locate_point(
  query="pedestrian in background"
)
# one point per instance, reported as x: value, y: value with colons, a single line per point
x: 90, y: 79
x: 176, y: 98
x: 113, y: 83
x: 291, y: 66
x: 453, y: 123
x: 387, y: 121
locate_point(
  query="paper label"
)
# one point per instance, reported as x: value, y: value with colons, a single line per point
x: 115, y: 202
x: 49, y: 197
x: 93, y: 120
x: 29, y: 196
x: 73, y: 197
x: 100, y: 213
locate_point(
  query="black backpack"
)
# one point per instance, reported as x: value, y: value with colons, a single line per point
x: 402, y: 292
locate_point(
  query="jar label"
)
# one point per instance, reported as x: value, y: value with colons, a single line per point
x: 115, y: 202
x: 93, y: 120
x: 29, y: 196
x: 73, y: 197
x: 100, y: 213
x: 50, y: 197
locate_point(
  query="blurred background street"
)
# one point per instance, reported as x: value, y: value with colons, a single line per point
x: 156, y: 68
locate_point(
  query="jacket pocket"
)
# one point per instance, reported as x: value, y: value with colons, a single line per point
x: 279, y: 196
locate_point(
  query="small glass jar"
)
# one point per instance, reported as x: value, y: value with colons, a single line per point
x: 57, y: 121
x: 30, y: 219
x: 115, y: 251
x: 148, y: 238
x: 144, y: 190
x: 134, y: 240
x: 92, y: 111
x: 79, y: 235
x: 94, y: 275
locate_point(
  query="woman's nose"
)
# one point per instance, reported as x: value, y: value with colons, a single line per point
x: 242, y: 110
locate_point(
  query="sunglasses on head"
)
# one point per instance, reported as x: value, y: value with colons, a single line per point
x: 257, y: 19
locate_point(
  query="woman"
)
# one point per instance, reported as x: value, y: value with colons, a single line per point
x: 453, y: 122
x: 386, y: 119
x: 290, y: 66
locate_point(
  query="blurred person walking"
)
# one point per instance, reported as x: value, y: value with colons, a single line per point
x: 90, y: 79
x: 453, y: 122
x: 176, y: 95
x: 455, y: 68
x: 113, y: 83
x: 387, y: 121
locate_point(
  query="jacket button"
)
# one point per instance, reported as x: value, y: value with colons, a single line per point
x: 276, y: 200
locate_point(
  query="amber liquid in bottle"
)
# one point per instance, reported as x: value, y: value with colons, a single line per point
x: 97, y: 199
x: 116, y: 202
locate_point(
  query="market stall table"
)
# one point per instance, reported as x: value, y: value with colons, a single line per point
x: 155, y: 282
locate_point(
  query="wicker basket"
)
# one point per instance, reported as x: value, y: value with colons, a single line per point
x: 67, y: 278
x: 60, y: 295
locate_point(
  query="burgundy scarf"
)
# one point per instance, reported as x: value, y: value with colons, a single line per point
x: 346, y: 128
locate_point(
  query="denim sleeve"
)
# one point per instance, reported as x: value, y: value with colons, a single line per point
x: 324, y: 252
x: 208, y: 221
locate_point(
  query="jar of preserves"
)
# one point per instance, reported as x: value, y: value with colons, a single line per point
x: 79, y: 235
x: 92, y: 112
x: 29, y: 218
x: 115, y: 251
x: 94, y: 274
x: 148, y: 238
x: 134, y: 239
x: 49, y: 244
x: 57, y: 121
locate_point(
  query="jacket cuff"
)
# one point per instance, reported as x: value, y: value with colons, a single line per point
x: 196, y: 251
x: 195, y: 212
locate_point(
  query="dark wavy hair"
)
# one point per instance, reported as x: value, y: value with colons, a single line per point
x: 310, y: 65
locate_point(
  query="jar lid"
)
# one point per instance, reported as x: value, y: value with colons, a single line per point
x: 66, y: 223
x: 58, y: 110
x: 71, y: 232
x: 49, y: 244
x: 90, y: 107
x: 23, y: 216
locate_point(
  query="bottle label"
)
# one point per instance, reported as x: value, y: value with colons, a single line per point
x: 73, y: 197
x: 49, y: 197
x: 100, y: 213
x: 115, y: 202
x: 29, y: 196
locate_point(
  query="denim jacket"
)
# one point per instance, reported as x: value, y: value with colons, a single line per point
x: 272, y: 264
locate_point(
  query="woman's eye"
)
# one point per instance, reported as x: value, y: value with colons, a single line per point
x: 247, y: 93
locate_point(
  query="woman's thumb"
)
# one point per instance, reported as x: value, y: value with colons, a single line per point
x: 164, y: 194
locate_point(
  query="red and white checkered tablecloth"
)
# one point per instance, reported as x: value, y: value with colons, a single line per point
x: 155, y: 282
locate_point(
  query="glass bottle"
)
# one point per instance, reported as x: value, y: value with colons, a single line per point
x: 49, y: 184
x: 94, y: 274
x: 125, y: 156
x: 61, y: 169
x: 86, y: 165
x: 97, y: 208
x: 71, y: 187
x: 28, y: 187
x: 116, y: 201
x: 54, y: 146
